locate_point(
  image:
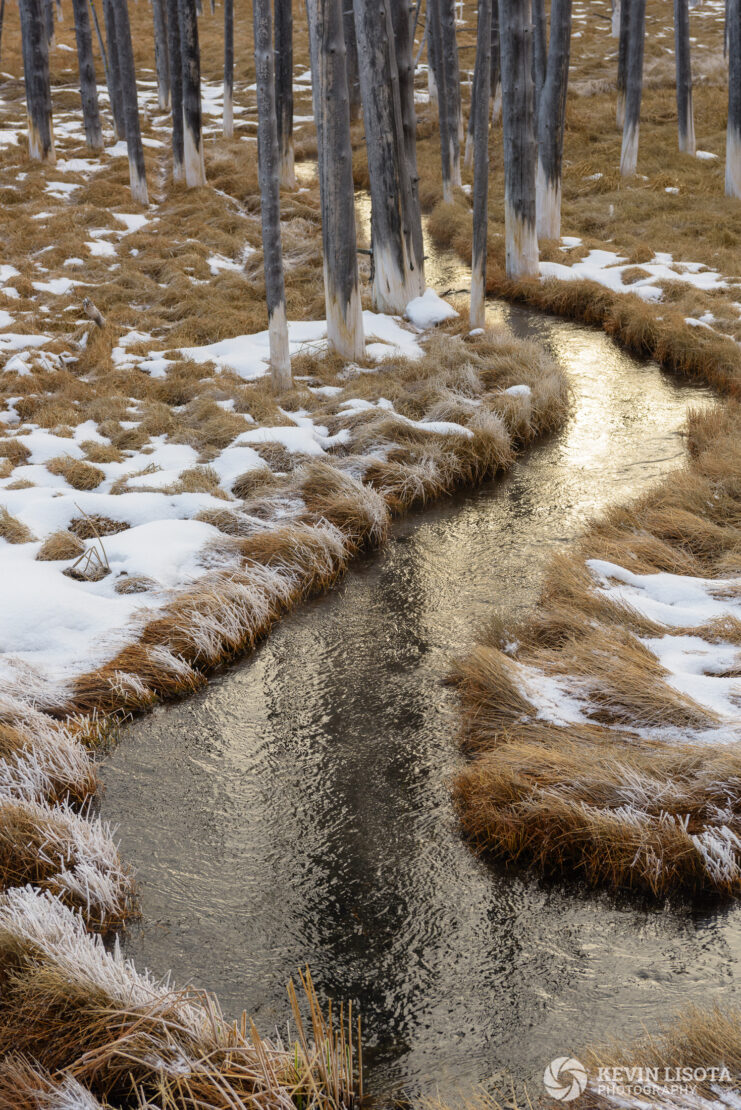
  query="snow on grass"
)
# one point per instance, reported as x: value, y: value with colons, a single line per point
x: 428, y: 310
x: 608, y: 268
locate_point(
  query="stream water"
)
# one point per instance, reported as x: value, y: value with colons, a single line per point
x: 297, y: 809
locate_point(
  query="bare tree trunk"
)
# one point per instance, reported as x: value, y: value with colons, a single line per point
x: 396, y: 279
x: 685, y: 113
x: 268, y: 173
x: 733, y: 133
x: 190, y: 57
x: 101, y: 44
x: 622, y: 67
x: 551, y: 120
x: 539, y: 49
x: 491, y: 92
x: 496, y: 65
x: 633, y: 88
x: 519, y: 138
x: 401, y: 15
x: 88, y: 86
x: 615, y: 27
x: 449, y: 63
x: 115, y: 93
x: 332, y: 115
x: 284, y: 89
x: 228, y: 118
x: 432, y: 62
x: 36, y: 76
x: 51, y: 31
x: 161, y: 53
x: 137, y: 171
x: 443, y: 116
x: 176, y: 90
x: 480, y: 115
x: 351, y: 55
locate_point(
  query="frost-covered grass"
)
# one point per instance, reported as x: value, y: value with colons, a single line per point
x: 606, y: 730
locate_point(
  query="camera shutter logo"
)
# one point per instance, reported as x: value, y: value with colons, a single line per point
x: 565, y: 1078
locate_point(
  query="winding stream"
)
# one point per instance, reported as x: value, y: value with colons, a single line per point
x: 297, y: 809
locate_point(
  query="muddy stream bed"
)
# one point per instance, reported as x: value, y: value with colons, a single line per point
x: 297, y: 809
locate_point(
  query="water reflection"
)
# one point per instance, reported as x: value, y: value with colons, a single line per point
x: 297, y: 809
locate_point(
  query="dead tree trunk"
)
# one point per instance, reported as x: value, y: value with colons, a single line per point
x: 443, y: 117
x: 332, y: 115
x: 190, y: 57
x: 115, y: 93
x: 176, y: 90
x: 521, y: 241
x: 733, y: 132
x: 496, y: 65
x: 284, y: 89
x: 685, y: 113
x: 137, y: 172
x: 396, y: 278
x: 622, y: 66
x: 88, y: 86
x: 452, y: 103
x: 401, y: 18
x: 51, y: 31
x: 633, y: 88
x: 490, y: 92
x: 615, y: 25
x: 551, y: 121
x: 539, y: 49
x: 228, y: 117
x: 351, y: 56
x: 101, y: 44
x: 161, y: 54
x: 36, y: 75
x: 480, y: 115
x: 432, y: 62
x: 268, y: 174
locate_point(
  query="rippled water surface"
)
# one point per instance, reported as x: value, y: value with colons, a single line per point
x: 297, y: 809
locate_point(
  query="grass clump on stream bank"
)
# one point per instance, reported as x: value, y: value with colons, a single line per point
x: 604, y: 730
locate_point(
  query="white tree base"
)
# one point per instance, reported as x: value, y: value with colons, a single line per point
x: 547, y: 206
x: 344, y: 323
x: 687, y: 142
x: 287, y: 169
x: 36, y: 146
x: 228, y: 115
x: 477, y: 306
x: 393, y: 289
x: 138, y: 182
x: 521, y: 245
x: 733, y: 162
x: 195, y: 170
x: 280, y: 352
x: 629, y: 153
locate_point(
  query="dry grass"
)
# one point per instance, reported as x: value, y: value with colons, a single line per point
x: 13, y: 530
x: 632, y: 795
x: 78, y: 474
x: 59, y: 546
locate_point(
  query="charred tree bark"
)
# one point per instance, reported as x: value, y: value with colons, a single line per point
x: 228, y: 117
x: 441, y: 90
x: 480, y: 115
x: 332, y: 115
x: 190, y: 56
x: 101, y: 44
x: 396, y: 278
x: 137, y: 171
x: 401, y: 15
x: 551, y: 121
x: 36, y: 77
x: 490, y: 92
x: 351, y: 57
x: 685, y: 113
x: 161, y: 53
x: 176, y: 90
x: 88, y: 86
x: 539, y: 48
x: 518, y: 125
x: 622, y: 66
x: 284, y: 89
x: 449, y: 64
x: 733, y: 132
x: 268, y: 173
x: 115, y: 92
x: 633, y: 88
